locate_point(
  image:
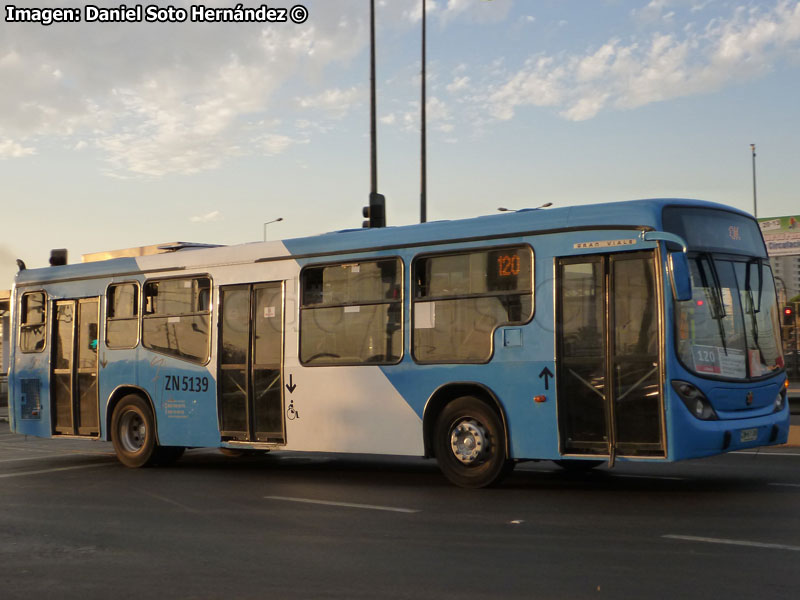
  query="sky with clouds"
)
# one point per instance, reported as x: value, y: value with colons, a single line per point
x: 124, y: 134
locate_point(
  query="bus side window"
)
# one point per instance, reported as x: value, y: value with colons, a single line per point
x: 32, y: 322
x: 177, y: 316
x: 461, y: 298
x: 122, y: 315
x: 351, y: 313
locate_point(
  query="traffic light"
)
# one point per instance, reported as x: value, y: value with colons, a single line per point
x: 788, y: 316
x: 375, y: 213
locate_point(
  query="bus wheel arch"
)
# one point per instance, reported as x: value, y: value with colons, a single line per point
x: 133, y: 432
x: 114, y: 399
x: 132, y: 428
x: 450, y: 392
x: 469, y: 441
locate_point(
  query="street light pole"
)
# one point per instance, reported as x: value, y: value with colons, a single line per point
x: 755, y: 205
x: 267, y: 223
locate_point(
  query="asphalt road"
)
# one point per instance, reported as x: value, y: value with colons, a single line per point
x: 75, y: 524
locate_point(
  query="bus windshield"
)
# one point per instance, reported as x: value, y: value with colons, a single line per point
x: 730, y: 327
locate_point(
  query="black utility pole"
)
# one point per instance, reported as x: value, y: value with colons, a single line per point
x: 423, y: 192
x: 373, y: 134
x: 376, y: 211
x: 755, y: 205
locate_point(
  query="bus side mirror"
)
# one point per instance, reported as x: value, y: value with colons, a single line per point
x: 679, y: 276
x: 678, y: 264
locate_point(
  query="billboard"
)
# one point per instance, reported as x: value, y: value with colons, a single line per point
x: 782, y: 235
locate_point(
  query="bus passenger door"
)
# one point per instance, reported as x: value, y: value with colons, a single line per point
x: 74, y: 391
x: 609, y: 376
x: 250, y: 381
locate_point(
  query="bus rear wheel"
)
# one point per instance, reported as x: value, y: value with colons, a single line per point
x: 470, y: 444
x: 133, y: 432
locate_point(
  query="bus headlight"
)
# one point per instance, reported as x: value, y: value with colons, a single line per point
x: 695, y: 401
x: 780, y: 401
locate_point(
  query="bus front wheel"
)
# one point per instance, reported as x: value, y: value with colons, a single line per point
x: 134, y: 433
x: 470, y: 444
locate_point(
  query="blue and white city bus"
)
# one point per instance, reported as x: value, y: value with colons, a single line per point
x: 644, y: 330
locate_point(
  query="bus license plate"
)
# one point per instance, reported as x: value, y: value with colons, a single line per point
x: 748, y: 435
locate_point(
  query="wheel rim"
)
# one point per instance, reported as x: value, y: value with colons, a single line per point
x: 132, y: 431
x: 469, y: 442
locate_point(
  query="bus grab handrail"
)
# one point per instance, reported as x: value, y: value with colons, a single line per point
x: 664, y: 236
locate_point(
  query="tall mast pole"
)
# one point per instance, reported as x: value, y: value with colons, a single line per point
x: 755, y: 205
x: 423, y: 193
x: 372, y: 129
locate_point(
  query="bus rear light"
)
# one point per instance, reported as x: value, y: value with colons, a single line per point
x: 695, y: 401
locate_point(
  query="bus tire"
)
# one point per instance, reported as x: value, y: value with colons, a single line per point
x: 133, y: 432
x: 469, y: 442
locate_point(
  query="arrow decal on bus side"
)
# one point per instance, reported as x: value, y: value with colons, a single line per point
x: 546, y: 374
x: 290, y: 386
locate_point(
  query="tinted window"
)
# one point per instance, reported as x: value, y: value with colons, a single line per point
x: 460, y: 299
x: 33, y: 319
x: 711, y: 230
x: 122, y: 315
x: 351, y: 313
x: 176, y: 317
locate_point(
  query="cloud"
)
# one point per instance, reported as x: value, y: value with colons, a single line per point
x: 654, y: 11
x: 162, y: 99
x: 159, y: 99
x: 458, y: 84
x: 480, y: 11
x: 11, y: 149
x: 208, y: 218
x: 663, y: 66
x: 273, y: 144
x: 336, y: 102
x: 484, y: 11
x: 438, y: 116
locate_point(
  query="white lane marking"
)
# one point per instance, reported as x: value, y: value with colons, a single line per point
x: 797, y: 485
x: 42, y: 456
x: 344, y: 504
x: 767, y: 453
x: 3, y: 446
x: 43, y: 471
x: 650, y: 477
x: 692, y: 538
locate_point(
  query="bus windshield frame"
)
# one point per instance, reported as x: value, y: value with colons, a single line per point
x: 730, y: 329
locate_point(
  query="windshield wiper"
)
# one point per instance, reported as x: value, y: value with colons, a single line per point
x: 717, y: 305
x: 753, y: 308
x: 749, y: 288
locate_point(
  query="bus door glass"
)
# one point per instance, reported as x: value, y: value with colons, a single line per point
x: 250, y: 363
x: 74, y: 364
x: 609, y: 384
